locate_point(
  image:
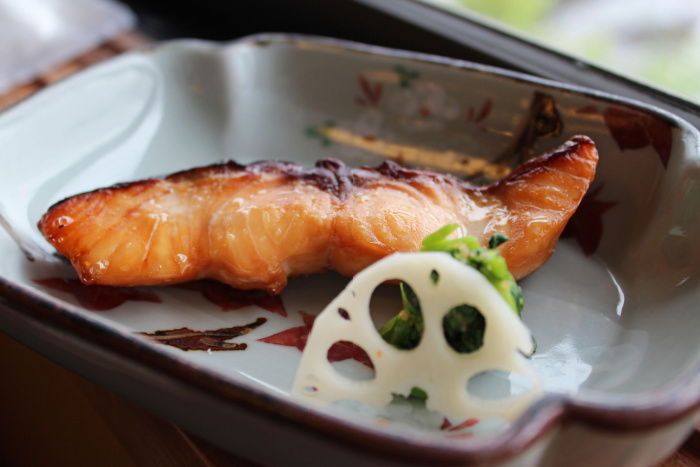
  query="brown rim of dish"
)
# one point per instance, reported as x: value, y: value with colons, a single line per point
x: 668, y: 405
x: 675, y: 400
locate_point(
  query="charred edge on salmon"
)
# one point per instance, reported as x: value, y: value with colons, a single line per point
x: 334, y: 176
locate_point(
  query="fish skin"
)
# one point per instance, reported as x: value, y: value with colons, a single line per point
x: 255, y: 226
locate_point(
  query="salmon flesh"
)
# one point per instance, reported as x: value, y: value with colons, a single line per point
x: 255, y: 226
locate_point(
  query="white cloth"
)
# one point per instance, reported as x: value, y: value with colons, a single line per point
x: 38, y: 35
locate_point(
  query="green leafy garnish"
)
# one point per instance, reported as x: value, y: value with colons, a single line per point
x: 464, y: 328
x: 487, y: 261
x: 417, y: 397
x: 405, y: 329
x: 464, y: 325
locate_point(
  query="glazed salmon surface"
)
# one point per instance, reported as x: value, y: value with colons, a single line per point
x: 255, y: 226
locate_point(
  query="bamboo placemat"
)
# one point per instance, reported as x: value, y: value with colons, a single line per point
x: 122, y: 43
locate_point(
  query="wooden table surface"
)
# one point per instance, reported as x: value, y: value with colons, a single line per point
x: 76, y: 422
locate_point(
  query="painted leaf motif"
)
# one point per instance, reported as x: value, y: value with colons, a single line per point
x: 297, y: 337
x: 211, y: 340
x: 371, y: 93
x: 98, y: 297
x: 485, y: 111
x: 455, y: 431
x: 633, y: 129
x: 586, y: 225
x: 228, y: 298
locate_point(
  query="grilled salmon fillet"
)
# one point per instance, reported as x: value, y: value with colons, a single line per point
x: 254, y: 226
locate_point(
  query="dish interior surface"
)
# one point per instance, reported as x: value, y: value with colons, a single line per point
x: 614, y: 312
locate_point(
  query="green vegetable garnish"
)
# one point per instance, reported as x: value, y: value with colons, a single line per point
x: 404, y: 330
x: 487, y: 261
x: 417, y: 396
x: 464, y: 328
x: 464, y: 325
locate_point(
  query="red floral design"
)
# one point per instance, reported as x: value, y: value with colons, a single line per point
x: 293, y: 337
x: 633, y: 129
x: 448, y: 426
x: 371, y: 92
x: 230, y: 299
x: 478, y: 117
x: 485, y: 111
x: 586, y: 225
x: 297, y: 337
x: 452, y: 429
x: 98, y: 297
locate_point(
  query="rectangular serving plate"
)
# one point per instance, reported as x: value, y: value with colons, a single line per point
x: 621, y: 287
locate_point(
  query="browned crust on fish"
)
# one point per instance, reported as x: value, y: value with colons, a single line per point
x: 254, y: 226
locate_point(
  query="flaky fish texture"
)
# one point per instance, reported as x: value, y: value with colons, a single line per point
x: 255, y: 226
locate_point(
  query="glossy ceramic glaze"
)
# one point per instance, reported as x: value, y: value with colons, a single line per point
x: 614, y: 312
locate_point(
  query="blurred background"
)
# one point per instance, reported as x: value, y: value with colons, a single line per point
x: 656, y: 41
x: 652, y: 41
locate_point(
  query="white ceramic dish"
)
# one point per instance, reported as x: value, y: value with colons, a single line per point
x: 614, y: 312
